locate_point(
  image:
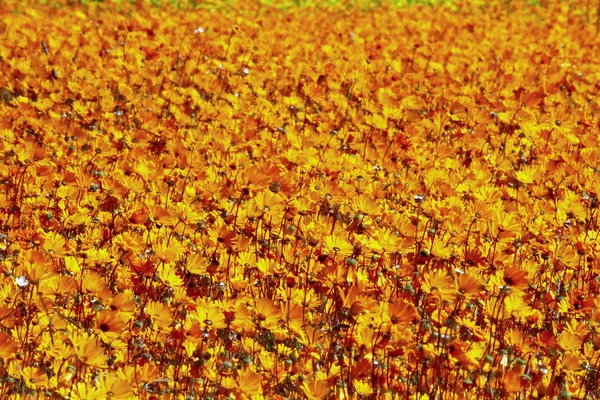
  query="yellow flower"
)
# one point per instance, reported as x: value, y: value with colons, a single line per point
x: 438, y: 283
x: 167, y: 274
x: 110, y: 325
x: 34, y: 378
x: 160, y: 314
x: 113, y: 386
x: 90, y: 352
x: 363, y: 388
x: 399, y: 312
x: 209, y: 315
x: 267, y: 314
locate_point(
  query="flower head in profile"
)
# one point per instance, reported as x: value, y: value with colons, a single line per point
x: 315, y: 389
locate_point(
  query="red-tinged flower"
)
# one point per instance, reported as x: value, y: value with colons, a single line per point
x: 399, y: 312
x: 459, y: 351
x: 34, y: 377
x: 468, y: 286
x: 516, y: 278
x: 110, y: 325
x: 315, y: 389
x: 267, y: 314
x: 438, y: 283
x: 90, y: 352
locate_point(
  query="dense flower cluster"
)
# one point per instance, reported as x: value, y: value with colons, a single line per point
x: 320, y: 203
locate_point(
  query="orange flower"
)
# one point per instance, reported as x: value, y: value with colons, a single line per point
x: 267, y: 314
x: 468, y: 286
x: 250, y: 382
x: 8, y: 346
x: 160, y: 314
x: 114, y: 386
x: 223, y: 236
x: 168, y: 252
x: 33, y: 377
x: 237, y: 315
x: 209, y: 315
x: 315, y: 389
x: 516, y: 306
x: 110, y: 325
x: 515, y: 278
x: 459, y: 351
x: 439, y: 284
x: 572, y: 363
x: 255, y: 179
x: 123, y: 303
x: 256, y: 210
x: 37, y: 268
x: 399, y: 312
x: 269, y: 267
x: 90, y: 352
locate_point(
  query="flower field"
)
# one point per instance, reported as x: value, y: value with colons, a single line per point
x: 354, y: 201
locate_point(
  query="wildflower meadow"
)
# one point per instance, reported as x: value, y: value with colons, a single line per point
x: 299, y: 199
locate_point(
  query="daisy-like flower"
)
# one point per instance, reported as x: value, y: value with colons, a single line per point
x: 267, y: 314
x: 209, y: 315
x: 399, y: 312
x: 34, y: 378
x: 114, y: 386
x: 468, y: 286
x: 438, y: 283
x: 90, y: 352
x: 511, y: 279
x: 109, y: 325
